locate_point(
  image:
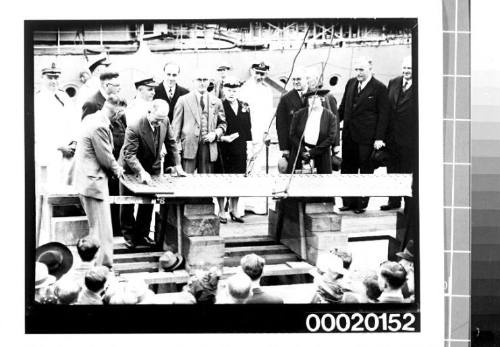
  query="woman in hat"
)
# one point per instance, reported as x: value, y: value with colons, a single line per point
x: 233, y: 146
x: 313, y: 131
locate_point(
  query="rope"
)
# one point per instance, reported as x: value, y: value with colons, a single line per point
x: 285, y: 191
x: 256, y: 154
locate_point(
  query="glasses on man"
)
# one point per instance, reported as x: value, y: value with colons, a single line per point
x: 260, y: 73
x: 116, y: 85
x: 202, y: 79
x: 171, y: 74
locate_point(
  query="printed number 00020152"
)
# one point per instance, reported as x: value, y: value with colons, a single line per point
x: 357, y: 322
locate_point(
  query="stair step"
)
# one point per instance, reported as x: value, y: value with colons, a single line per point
x: 137, y: 257
x: 270, y: 259
x: 181, y: 276
x: 261, y: 250
x: 248, y: 241
x: 142, y: 266
x: 120, y: 248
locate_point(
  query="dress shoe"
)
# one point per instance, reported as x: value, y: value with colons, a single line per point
x: 223, y: 220
x: 359, y: 210
x: 130, y: 244
x: 147, y: 241
x: 345, y: 208
x: 389, y: 207
x: 236, y: 219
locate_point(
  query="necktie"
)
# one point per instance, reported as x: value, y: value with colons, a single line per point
x: 202, y: 103
x: 359, y: 88
x: 59, y: 99
x: 405, y: 85
x: 170, y: 93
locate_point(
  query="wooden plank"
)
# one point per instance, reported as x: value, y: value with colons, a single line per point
x: 182, y: 276
x: 240, y: 241
x: 301, y: 185
x: 265, y: 249
x: 136, y: 267
x: 270, y: 259
x: 137, y: 257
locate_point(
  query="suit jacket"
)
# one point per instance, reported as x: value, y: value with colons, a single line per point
x: 367, y: 120
x: 260, y: 297
x: 161, y: 93
x: 288, y: 104
x: 187, y: 123
x: 94, y: 158
x: 403, y: 125
x: 118, y: 126
x: 327, y: 134
x: 138, y: 151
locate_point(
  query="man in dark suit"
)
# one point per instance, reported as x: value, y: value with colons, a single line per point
x: 253, y: 266
x: 289, y: 103
x: 141, y: 155
x: 169, y: 90
x: 110, y: 84
x: 402, y: 134
x: 94, y: 162
x: 365, y: 112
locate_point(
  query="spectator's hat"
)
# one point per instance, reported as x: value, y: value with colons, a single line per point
x: 407, y: 253
x: 148, y: 82
x: 170, y: 261
x: 42, y: 277
x: 101, y: 60
x: 224, y: 67
x: 282, y: 165
x: 56, y: 256
x: 379, y: 157
x: 52, y: 70
x: 318, y: 92
x: 260, y: 66
x: 231, y: 82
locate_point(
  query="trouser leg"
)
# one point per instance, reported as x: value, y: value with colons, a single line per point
x: 350, y: 164
x: 127, y: 219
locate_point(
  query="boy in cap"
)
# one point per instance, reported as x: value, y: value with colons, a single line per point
x: 238, y: 288
x: 199, y: 121
x: 92, y: 292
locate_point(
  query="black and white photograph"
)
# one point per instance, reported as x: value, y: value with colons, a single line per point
x: 195, y: 168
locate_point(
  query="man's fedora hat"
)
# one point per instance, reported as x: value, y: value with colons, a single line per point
x: 379, y: 157
x: 101, y: 60
x: 282, y: 165
x: 336, y: 163
x: 260, y: 66
x: 318, y: 92
x: 170, y: 261
x: 52, y: 70
x: 56, y: 256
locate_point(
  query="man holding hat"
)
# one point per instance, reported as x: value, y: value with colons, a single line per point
x: 94, y: 161
x: 365, y: 112
x: 199, y: 121
x: 141, y: 155
x: 259, y: 97
x: 169, y: 90
x: 140, y: 105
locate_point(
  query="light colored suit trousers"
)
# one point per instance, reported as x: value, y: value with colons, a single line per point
x: 100, y: 228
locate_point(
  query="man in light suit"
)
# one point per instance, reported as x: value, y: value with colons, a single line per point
x: 169, y: 90
x: 365, y: 112
x: 94, y: 161
x: 199, y: 121
x: 109, y: 84
x: 141, y: 155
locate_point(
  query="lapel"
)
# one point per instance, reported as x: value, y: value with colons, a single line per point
x: 296, y: 100
x: 228, y: 110
x: 193, y: 105
x: 365, y: 92
x: 147, y: 134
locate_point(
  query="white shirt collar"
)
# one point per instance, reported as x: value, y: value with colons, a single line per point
x: 408, y: 85
x: 365, y: 82
x: 103, y: 93
x: 167, y: 87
